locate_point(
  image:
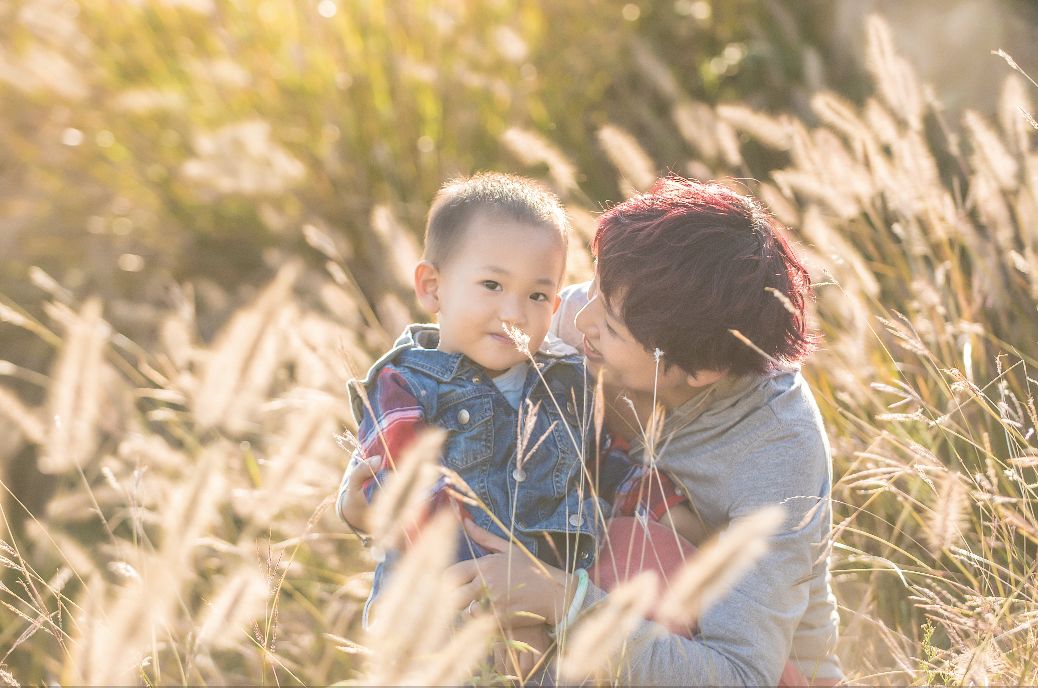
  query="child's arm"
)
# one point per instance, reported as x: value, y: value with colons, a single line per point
x: 391, y: 420
x: 351, y: 502
x: 652, y: 493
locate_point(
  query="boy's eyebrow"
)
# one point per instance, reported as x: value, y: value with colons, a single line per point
x: 501, y: 271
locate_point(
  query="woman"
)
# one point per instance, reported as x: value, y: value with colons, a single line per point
x: 699, y: 275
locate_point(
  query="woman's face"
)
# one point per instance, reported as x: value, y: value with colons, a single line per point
x: 610, y: 348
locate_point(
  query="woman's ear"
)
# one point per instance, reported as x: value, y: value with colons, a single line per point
x: 427, y: 286
x: 705, y: 377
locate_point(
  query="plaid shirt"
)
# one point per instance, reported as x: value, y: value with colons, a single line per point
x: 397, y: 422
x: 645, y: 492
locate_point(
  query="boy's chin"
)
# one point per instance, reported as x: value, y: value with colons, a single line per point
x: 499, y: 368
x: 497, y: 364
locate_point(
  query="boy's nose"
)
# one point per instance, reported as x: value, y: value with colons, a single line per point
x: 511, y: 312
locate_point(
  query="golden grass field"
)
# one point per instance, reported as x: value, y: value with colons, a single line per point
x: 172, y: 433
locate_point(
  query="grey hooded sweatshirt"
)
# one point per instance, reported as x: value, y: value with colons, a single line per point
x: 745, y: 443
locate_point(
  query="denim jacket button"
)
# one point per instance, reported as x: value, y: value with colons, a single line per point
x: 519, y: 475
x: 463, y: 417
x: 576, y: 520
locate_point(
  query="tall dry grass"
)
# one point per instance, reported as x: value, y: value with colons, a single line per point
x: 175, y: 530
x: 180, y: 532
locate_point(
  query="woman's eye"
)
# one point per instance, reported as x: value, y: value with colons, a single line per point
x: 610, y: 328
x: 539, y: 296
x: 491, y: 285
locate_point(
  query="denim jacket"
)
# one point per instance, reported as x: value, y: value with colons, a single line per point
x: 547, y: 493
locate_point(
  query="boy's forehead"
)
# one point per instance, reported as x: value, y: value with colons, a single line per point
x: 495, y: 258
x: 489, y: 230
x: 487, y: 219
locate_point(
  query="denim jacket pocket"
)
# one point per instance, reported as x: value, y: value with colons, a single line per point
x: 470, y: 428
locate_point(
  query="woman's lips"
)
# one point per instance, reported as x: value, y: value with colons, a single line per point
x: 591, y: 352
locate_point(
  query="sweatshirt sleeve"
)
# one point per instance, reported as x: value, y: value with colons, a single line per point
x: 746, y: 637
x: 563, y: 323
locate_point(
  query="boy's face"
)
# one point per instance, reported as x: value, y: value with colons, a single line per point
x: 502, y: 272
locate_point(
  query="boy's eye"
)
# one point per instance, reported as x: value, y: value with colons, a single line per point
x: 491, y: 285
x: 539, y: 296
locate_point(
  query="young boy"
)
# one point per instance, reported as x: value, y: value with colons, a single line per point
x: 495, y: 253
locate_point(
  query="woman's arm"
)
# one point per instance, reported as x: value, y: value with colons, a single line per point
x: 747, y: 636
x: 743, y: 640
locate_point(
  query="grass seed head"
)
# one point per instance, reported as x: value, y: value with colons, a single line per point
x: 718, y: 565
x: 592, y: 646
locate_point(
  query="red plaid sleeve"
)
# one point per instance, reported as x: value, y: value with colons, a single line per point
x: 646, y: 491
x: 392, y: 420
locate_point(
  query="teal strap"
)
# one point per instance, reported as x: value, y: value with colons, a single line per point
x: 576, y: 604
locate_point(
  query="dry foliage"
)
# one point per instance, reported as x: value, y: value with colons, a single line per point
x: 183, y: 534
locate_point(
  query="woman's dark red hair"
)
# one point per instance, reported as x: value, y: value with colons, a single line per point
x: 689, y: 262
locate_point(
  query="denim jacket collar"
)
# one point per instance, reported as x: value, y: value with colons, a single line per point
x: 416, y: 348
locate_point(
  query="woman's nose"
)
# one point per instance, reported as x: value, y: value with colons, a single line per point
x: 584, y: 320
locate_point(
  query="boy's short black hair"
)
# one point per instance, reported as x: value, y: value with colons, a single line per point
x: 514, y: 197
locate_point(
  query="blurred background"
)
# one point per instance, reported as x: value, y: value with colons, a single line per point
x: 144, y: 142
x: 209, y: 211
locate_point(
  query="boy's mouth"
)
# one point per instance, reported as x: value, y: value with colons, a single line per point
x: 502, y: 339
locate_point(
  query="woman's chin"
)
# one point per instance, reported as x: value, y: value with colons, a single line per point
x: 593, y: 364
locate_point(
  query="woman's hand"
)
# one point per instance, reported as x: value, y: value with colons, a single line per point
x: 520, y: 591
x: 354, y: 506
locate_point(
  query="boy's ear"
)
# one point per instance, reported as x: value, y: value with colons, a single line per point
x: 427, y: 286
x: 555, y: 306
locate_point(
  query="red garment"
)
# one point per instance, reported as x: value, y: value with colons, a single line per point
x: 393, y: 420
x: 645, y: 492
x: 633, y: 545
